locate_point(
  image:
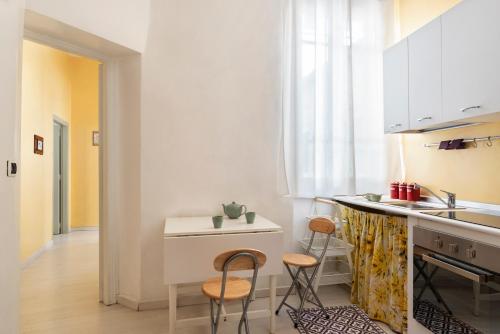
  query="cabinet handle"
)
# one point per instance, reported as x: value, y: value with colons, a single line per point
x: 424, y: 118
x: 470, y: 108
x: 395, y: 125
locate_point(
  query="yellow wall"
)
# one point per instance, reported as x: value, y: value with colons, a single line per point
x: 84, y: 120
x: 414, y: 14
x: 471, y: 173
x: 48, y: 89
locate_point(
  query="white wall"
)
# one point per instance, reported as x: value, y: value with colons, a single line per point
x: 210, y: 117
x: 118, y: 30
x: 93, y: 24
x: 124, y: 22
x: 120, y: 22
x: 10, y: 44
x: 124, y: 181
x: 204, y: 130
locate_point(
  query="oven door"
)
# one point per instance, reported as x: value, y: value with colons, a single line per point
x: 451, y: 296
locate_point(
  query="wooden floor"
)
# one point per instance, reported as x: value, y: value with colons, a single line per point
x: 59, y: 294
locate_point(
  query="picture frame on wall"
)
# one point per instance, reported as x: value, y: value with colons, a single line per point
x: 95, y: 138
x: 38, y: 145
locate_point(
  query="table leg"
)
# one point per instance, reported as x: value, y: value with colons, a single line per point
x: 172, y: 308
x: 272, y: 303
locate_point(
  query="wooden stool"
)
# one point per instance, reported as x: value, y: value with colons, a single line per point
x: 229, y: 288
x: 339, y: 251
x: 301, y: 262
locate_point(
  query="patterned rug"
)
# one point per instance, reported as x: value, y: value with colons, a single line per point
x: 343, y: 320
x: 438, y: 321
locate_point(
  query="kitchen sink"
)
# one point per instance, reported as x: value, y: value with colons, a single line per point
x: 422, y: 206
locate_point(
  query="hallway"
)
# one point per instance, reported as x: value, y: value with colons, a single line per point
x: 60, y: 292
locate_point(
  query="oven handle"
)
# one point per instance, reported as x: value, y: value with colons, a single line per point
x: 454, y: 269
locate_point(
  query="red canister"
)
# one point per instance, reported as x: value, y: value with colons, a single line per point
x: 402, y: 191
x: 410, y: 192
x: 395, y: 190
x: 416, y: 192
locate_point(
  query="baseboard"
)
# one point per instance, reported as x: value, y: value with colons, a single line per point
x: 36, y: 254
x: 158, y: 304
x: 84, y: 228
x: 128, y: 302
x: 184, y: 300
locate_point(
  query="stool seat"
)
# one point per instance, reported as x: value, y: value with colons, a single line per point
x: 299, y: 260
x: 236, y: 288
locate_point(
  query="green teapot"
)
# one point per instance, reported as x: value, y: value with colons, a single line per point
x: 233, y: 210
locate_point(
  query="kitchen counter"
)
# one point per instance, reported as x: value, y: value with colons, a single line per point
x: 384, y: 207
x: 484, y: 234
x: 420, y: 219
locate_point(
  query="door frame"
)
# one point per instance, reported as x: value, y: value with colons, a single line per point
x: 108, y: 90
x: 65, y: 174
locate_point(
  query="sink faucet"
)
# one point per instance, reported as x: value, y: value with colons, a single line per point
x: 452, y: 198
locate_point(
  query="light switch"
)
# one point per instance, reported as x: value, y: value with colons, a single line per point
x: 11, y: 169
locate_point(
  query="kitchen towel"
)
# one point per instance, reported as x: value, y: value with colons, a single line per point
x: 456, y: 144
x: 444, y: 145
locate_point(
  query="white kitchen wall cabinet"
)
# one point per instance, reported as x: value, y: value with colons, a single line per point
x: 453, y: 71
x: 425, y: 105
x: 471, y: 59
x: 396, y: 97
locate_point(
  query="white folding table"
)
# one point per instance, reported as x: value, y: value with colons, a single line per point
x: 191, y: 244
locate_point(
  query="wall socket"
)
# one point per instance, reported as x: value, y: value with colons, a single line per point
x: 11, y: 169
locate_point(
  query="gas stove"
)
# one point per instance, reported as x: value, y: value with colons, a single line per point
x: 469, y: 217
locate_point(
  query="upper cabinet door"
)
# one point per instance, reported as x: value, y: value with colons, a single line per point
x: 471, y: 59
x: 425, y: 76
x: 396, y: 88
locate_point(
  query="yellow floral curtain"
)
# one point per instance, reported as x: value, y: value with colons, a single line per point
x: 379, y: 265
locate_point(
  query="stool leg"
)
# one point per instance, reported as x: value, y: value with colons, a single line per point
x: 247, y: 329
x: 215, y: 319
x: 212, y: 328
x: 294, y: 279
x: 297, y: 285
x: 316, y: 280
x: 244, y: 317
x: 272, y: 303
x: 320, y: 273
x: 310, y: 288
x: 301, y: 308
x: 244, y: 320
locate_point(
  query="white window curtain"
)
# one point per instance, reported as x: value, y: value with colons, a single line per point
x: 332, y: 97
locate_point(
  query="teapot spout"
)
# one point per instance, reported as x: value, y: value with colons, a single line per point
x: 224, y: 208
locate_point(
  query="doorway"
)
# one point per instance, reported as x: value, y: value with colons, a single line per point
x: 60, y: 152
x: 120, y: 92
x: 60, y: 178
